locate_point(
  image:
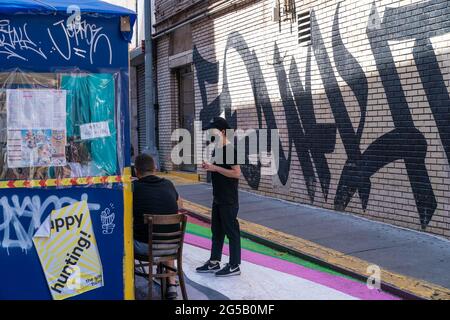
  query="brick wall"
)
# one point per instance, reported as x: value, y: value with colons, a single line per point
x: 363, y: 112
x: 166, y: 99
x: 165, y: 9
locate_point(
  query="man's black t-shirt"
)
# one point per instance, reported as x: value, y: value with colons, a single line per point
x: 225, y: 190
x: 153, y: 195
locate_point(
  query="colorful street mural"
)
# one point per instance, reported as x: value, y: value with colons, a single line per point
x: 267, y: 274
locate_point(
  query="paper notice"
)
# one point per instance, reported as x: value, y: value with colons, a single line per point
x: 36, y: 128
x: 94, y: 130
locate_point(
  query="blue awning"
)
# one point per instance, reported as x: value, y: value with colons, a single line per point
x: 61, y: 6
x: 94, y: 8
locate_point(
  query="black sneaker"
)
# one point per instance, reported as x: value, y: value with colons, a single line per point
x: 209, y: 267
x: 229, y: 271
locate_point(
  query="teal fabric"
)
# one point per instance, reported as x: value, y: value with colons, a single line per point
x: 102, y: 107
x: 91, y: 98
x: 78, y: 108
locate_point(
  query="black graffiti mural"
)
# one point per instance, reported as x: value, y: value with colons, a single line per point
x: 319, y: 138
x: 252, y: 173
x: 312, y: 140
x: 405, y: 142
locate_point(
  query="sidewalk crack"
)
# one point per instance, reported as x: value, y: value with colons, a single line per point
x: 373, y: 249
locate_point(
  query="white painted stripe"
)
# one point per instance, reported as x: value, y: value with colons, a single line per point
x: 256, y: 282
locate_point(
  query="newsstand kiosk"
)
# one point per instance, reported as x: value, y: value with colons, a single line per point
x: 65, y: 194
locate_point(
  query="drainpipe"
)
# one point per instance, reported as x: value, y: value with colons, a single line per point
x: 149, y: 99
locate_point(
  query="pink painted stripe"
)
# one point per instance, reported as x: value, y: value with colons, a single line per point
x: 347, y: 286
x: 198, y: 222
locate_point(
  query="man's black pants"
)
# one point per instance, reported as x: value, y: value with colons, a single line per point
x: 224, y: 222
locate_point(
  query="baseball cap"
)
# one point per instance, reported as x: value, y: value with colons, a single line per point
x: 217, y: 123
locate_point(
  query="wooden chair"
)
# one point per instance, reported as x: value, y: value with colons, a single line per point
x: 172, y: 241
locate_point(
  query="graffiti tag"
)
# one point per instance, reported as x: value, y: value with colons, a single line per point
x: 14, y: 41
x: 30, y: 209
x: 73, y: 37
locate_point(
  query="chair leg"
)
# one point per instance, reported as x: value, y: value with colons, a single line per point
x: 181, y: 277
x: 142, y: 267
x: 150, y: 283
x: 162, y: 282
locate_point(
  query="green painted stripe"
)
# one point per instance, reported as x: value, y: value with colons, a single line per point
x: 259, y: 248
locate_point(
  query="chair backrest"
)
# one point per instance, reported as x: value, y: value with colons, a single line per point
x: 166, y: 240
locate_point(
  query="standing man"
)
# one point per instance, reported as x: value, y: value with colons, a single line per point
x: 225, y: 173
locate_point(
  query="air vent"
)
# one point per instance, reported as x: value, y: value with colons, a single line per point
x: 304, y: 28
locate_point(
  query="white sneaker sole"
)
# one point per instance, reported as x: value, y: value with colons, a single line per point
x: 207, y: 271
x: 229, y: 275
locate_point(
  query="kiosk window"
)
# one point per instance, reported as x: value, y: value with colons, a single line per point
x: 58, y: 125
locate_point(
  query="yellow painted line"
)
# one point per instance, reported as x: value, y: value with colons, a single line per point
x: 181, y: 178
x: 128, y: 260
x: 194, y: 177
x: 414, y: 286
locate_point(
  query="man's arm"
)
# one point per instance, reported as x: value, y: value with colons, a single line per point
x: 180, y: 203
x: 234, y: 172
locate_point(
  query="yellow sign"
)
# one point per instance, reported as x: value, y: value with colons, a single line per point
x: 68, y: 252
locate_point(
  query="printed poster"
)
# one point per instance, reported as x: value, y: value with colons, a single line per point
x: 36, y: 127
x: 68, y: 252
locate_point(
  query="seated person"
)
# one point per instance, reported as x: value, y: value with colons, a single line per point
x: 153, y: 195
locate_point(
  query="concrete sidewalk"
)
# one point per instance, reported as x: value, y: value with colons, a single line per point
x: 415, y: 262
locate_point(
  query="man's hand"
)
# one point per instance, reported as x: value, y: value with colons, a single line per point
x: 234, y: 172
x: 209, y: 167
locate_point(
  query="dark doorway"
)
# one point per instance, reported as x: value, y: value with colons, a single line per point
x: 186, y: 110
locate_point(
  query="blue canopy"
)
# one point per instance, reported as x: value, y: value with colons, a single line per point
x: 61, y: 6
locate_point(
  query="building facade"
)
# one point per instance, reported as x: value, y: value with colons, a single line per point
x: 358, y: 91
